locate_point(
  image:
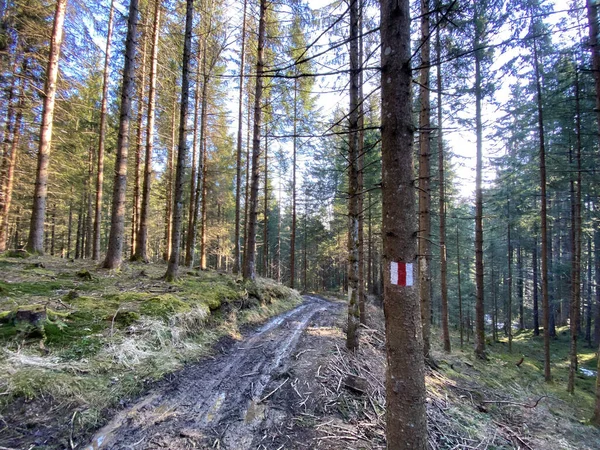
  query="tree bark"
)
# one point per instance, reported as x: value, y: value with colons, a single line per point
x: 141, y: 250
x: 294, y: 157
x: 102, y: 138
x: 249, y: 270
x: 543, y: 216
x: 266, y: 212
x: 172, y: 269
x: 479, y: 282
x: 238, y: 160
x: 424, y: 192
x: 509, y: 279
x: 460, y: 305
x: 405, y: 387
x: 35, y: 242
x: 114, y: 253
x: 534, y: 261
x: 442, y: 195
x: 352, y: 336
x: 169, y: 184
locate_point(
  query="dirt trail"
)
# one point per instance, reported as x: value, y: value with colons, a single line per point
x: 220, y: 402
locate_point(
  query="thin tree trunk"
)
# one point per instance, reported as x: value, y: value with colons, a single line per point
x: 352, y: 333
x: 102, y: 138
x: 294, y: 160
x: 460, y: 309
x: 204, y: 167
x: 576, y: 251
x: 266, y: 213
x: 543, y: 217
x: 442, y: 197
x: 405, y: 378
x: 238, y: 165
x: 362, y: 295
x: 249, y: 269
x: 141, y: 251
x: 89, y: 225
x: 35, y: 242
x: 424, y: 192
x: 519, y: 283
x: 534, y: 260
x: 509, y: 280
x: 169, y: 184
x: 172, y: 269
x: 11, y: 161
x: 494, y: 297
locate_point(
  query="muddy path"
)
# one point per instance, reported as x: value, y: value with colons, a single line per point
x: 223, y: 401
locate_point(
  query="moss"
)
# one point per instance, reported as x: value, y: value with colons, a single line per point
x: 127, y: 297
x: 124, y: 318
x: 163, y: 306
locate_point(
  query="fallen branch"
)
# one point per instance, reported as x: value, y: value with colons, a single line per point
x: 508, y: 402
x: 273, y: 391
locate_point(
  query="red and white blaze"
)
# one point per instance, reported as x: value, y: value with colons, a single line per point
x: 401, y: 274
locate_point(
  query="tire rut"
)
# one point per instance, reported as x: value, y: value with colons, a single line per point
x: 218, y: 401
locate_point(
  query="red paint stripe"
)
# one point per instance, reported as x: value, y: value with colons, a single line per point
x: 401, y: 274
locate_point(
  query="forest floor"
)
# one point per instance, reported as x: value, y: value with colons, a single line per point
x: 234, y: 378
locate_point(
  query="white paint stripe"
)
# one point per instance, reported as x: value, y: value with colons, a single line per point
x: 409, y: 274
x: 394, y: 272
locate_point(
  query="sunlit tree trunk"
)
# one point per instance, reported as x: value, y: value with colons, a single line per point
x: 172, y: 269
x: 102, y: 139
x: 294, y: 157
x: 249, y: 269
x: 405, y: 378
x: 352, y: 336
x: 238, y: 162
x: 141, y: 251
x: 35, y: 242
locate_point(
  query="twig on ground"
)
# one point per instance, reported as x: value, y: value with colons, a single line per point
x: 273, y: 391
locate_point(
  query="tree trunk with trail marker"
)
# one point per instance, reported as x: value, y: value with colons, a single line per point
x: 35, y: 242
x: 405, y: 379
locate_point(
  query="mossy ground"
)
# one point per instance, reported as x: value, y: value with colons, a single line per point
x: 106, y: 334
x: 497, y: 397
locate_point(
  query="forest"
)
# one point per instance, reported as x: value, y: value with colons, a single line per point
x: 173, y: 173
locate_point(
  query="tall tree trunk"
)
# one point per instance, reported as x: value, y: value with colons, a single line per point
x: 519, y: 283
x: 442, y: 194
x: 509, y: 279
x: 294, y: 158
x: 576, y: 241
x: 141, y: 250
x: 424, y: 192
x: 494, y: 297
x: 194, y: 178
x: 136, y: 210
x: 204, y: 168
x: 35, y: 242
x: 460, y: 305
x: 362, y: 295
x: 114, y: 253
x: 102, y: 138
x: 266, y: 212
x: 543, y: 217
x: 238, y: 158
x: 352, y: 334
x: 169, y: 184
x: 10, y: 160
x: 534, y: 261
x: 249, y: 269
x: 173, y: 267
x: 588, y: 308
x: 90, y: 207
x: 405, y: 386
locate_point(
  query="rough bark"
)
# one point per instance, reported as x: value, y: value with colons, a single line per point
x: 405, y: 387
x: 442, y: 198
x: 352, y: 336
x: 266, y: 212
x: 102, y: 138
x: 238, y: 156
x: 173, y: 267
x: 424, y: 192
x: 534, y: 264
x: 169, y: 183
x: 115, y: 240
x: 142, y: 232
x: 35, y: 242
x: 460, y: 305
x: 249, y: 269
x: 294, y: 155
x: 479, y: 282
x: 509, y: 280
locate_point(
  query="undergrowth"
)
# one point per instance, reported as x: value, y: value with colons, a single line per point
x: 95, y: 341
